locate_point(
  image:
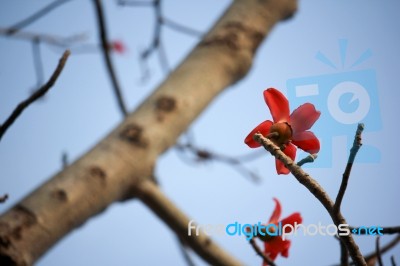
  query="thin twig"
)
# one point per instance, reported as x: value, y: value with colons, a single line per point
x: 36, y: 95
x: 392, y: 260
x: 346, y: 175
x: 106, y: 54
x: 35, y: 16
x: 372, y: 256
x: 64, y: 160
x: 309, y: 159
x: 181, y: 28
x: 315, y: 188
x: 157, y: 31
x: 151, y: 195
x: 378, y: 251
x: 383, y: 249
x: 37, y: 60
x: 46, y: 38
x: 206, y: 155
x: 3, y: 198
x: 344, y: 253
x: 135, y: 3
x: 162, y: 55
x: 259, y: 252
x: 184, y: 250
x: 183, y: 247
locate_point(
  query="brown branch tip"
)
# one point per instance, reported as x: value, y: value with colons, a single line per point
x: 36, y: 95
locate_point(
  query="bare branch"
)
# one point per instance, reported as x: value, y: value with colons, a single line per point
x: 206, y: 155
x: 309, y: 159
x: 3, y: 198
x: 152, y: 196
x: 162, y: 55
x: 37, y: 15
x: 371, y: 257
x: 315, y: 188
x: 185, y: 253
x: 259, y: 252
x: 46, y: 38
x: 392, y: 260
x: 36, y: 95
x: 378, y: 251
x: 344, y: 253
x: 155, y: 42
x: 181, y: 28
x: 384, y: 249
x: 37, y: 60
x: 346, y: 175
x: 126, y: 157
x: 64, y: 160
x: 135, y: 3
x: 106, y: 54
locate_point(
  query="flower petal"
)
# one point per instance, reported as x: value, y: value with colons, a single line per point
x: 306, y: 141
x: 304, y: 117
x: 285, y: 253
x: 290, y: 151
x: 277, y: 104
x: 262, y: 128
x: 276, y: 214
x: 277, y: 246
x: 118, y: 46
x: 292, y: 219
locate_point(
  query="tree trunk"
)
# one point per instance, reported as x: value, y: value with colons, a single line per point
x: 114, y: 170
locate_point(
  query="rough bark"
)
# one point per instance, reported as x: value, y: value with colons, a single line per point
x: 114, y: 169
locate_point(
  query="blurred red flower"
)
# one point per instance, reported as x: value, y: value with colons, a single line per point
x: 287, y: 130
x: 275, y: 245
x: 118, y: 46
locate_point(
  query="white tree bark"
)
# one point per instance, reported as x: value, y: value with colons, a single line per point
x: 118, y: 167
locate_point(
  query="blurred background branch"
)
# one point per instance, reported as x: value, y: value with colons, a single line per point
x: 35, y: 96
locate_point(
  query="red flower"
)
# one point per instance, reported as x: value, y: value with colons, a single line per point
x: 291, y: 129
x: 118, y: 46
x: 275, y: 245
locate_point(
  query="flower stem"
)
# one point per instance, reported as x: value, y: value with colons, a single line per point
x: 315, y: 188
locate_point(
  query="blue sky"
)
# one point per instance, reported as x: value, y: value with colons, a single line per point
x: 81, y: 109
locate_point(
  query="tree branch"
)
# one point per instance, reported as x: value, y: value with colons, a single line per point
x: 378, y: 251
x: 181, y: 28
x: 135, y: 3
x: 346, y: 175
x: 309, y: 159
x: 37, y: 60
x: 204, y: 155
x: 184, y: 250
x: 392, y: 260
x: 3, y: 198
x: 112, y: 169
x: 45, y: 38
x: 35, y: 16
x: 259, y: 252
x: 315, y: 188
x: 372, y: 256
x: 151, y: 195
x: 344, y: 253
x: 383, y: 250
x: 36, y: 95
x: 107, y: 58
